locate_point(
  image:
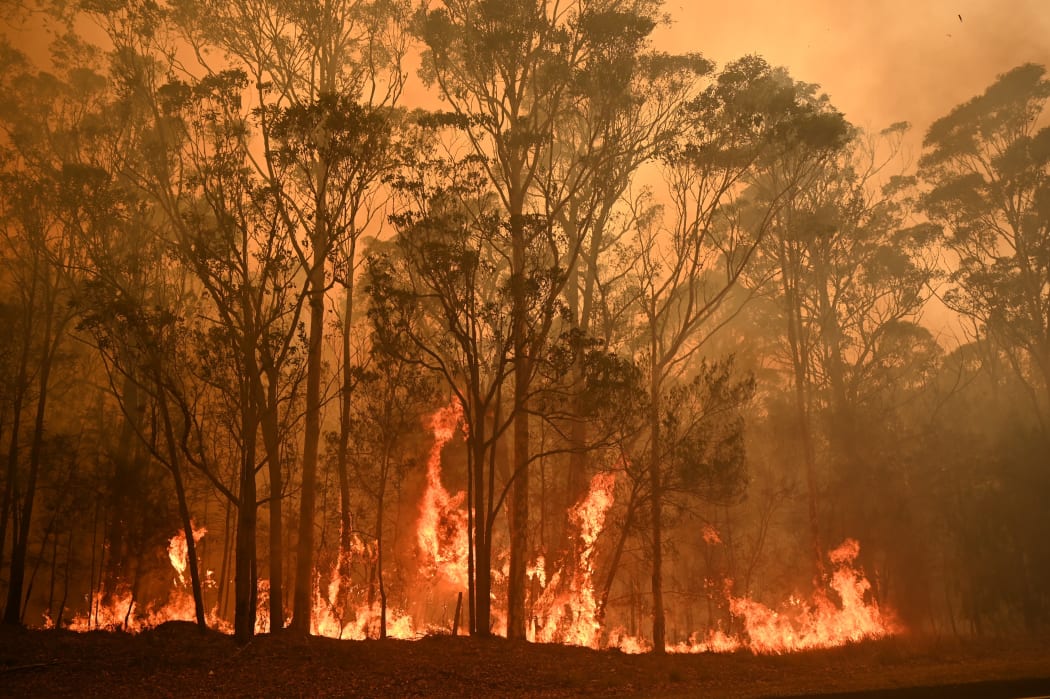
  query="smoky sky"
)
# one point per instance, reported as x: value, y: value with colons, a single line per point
x: 880, y: 61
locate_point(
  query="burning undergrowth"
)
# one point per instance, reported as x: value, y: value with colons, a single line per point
x: 564, y: 605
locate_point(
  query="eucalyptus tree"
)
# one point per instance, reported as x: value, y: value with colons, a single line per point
x: 236, y: 239
x: 321, y: 77
x: 750, y: 119
x: 546, y: 91
x: 987, y: 166
x: 849, y: 273
x: 42, y: 190
x: 176, y: 154
x: 439, y: 300
x: 218, y: 221
x: 633, y: 107
x: 356, y: 143
x: 393, y: 399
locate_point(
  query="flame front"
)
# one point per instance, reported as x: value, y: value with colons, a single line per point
x: 119, y: 610
x: 821, y: 623
x: 564, y: 608
x: 797, y: 624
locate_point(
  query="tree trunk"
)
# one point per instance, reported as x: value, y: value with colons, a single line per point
x: 244, y: 598
x: 126, y: 484
x: 301, y: 604
x: 222, y: 591
x: 798, y: 362
x: 20, y: 547
x: 10, y: 490
x: 519, y: 506
x: 343, y: 453
x: 656, y: 513
x: 7, y: 508
x: 379, y: 545
x: 480, y: 573
x: 271, y: 441
x: 184, y: 510
x: 614, y: 563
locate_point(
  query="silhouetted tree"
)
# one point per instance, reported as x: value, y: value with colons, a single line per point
x: 987, y: 164
x: 751, y: 118
x: 42, y: 194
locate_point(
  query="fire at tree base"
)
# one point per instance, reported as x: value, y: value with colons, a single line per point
x: 565, y: 611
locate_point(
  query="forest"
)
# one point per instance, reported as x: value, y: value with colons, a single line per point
x: 386, y: 318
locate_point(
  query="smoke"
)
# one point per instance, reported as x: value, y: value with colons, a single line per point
x: 881, y: 61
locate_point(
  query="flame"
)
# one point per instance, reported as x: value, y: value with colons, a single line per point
x: 626, y: 643
x: 365, y: 624
x: 262, y: 606
x: 821, y: 623
x: 564, y: 610
x: 569, y: 613
x: 120, y: 611
x: 710, y: 535
x: 797, y: 625
x: 357, y: 621
x: 442, y: 527
x: 178, y: 551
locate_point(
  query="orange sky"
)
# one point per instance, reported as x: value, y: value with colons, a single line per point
x: 881, y: 61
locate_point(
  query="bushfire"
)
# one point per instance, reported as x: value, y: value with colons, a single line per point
x: 564, y: 603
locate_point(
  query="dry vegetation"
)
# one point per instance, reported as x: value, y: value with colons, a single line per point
x: 176, y: 660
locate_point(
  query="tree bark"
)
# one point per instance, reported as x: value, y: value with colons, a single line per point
x: 244, y: 597
x: 20, y: 547
x: 343, y: 453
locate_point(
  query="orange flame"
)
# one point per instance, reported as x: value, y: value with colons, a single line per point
x: 178, y: 552
x: 798, y: 625
x: 442, y: 528
x: 571, y: 615
x: 821, y: 623
x: 565, y: 610
x: 120, y: 610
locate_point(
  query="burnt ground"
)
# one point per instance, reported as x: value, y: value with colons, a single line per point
x: 176, y: 660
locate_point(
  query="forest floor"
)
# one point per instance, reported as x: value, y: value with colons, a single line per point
x: 176, y: 660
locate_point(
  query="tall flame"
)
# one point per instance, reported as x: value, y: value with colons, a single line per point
x: 568, y: 613
x: 442, y: 528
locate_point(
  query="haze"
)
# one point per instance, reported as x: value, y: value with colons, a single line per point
x: 880, y: 61
x: 561, y: 338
